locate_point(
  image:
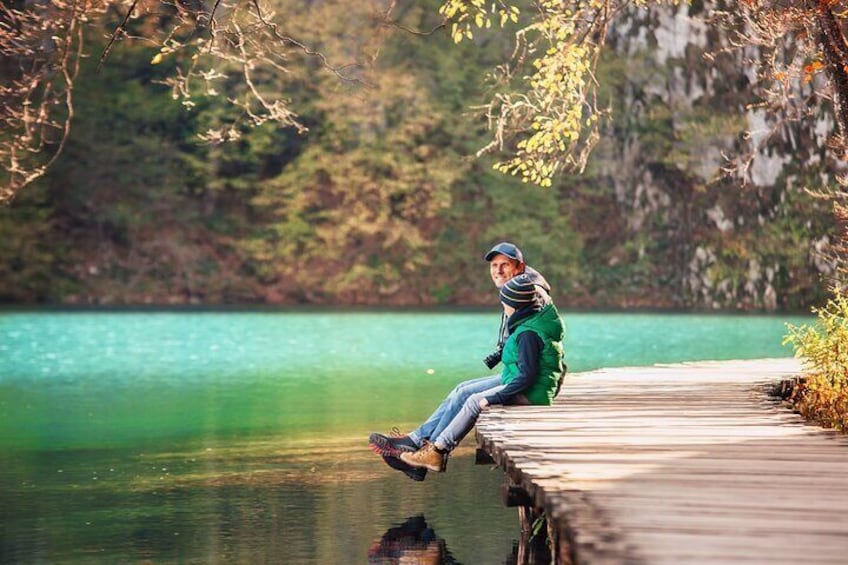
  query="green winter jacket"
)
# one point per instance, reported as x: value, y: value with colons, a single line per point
x: 548, y: 326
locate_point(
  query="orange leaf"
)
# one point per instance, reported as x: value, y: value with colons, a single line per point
x: 813, y: 67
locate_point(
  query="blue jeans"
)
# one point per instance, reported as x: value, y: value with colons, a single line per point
x: 456, y: 404
x: 465, y: 419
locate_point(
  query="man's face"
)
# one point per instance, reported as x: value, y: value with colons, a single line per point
x: 502, y: 268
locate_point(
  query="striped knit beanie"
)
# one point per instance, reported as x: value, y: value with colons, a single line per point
x: 519, y: 292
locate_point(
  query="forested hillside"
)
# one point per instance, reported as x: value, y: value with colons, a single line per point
x: 381, y: 201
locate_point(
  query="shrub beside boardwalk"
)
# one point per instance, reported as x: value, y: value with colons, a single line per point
x: 821, y: 394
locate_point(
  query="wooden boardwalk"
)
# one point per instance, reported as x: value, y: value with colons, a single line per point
x: 688, y: 463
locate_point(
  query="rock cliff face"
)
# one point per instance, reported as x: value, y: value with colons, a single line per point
x: 685, y: 112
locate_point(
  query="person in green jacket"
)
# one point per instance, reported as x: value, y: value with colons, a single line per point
x: 505, y: 261
x: 532, y: 360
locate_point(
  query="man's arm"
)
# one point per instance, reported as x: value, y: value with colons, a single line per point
x: 529, y: 349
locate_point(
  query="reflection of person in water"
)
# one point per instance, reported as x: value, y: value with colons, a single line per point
x: 413, y: 541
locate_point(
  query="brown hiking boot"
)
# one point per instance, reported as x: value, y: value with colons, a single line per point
x: 428, y: 457
x: 414, y: 473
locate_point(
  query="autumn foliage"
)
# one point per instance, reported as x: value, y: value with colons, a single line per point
x: 822, y: 395
x: 543, y: 113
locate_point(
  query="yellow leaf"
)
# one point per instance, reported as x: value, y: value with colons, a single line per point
x: 156, y: 59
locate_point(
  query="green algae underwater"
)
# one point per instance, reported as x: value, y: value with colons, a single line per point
x: 198, y: 437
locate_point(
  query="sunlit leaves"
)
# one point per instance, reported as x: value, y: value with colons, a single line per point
x: 466, y: 15
x: 811, y: 69
x: 557, y: 93
x: 544, y: 115
x: 552, y: 116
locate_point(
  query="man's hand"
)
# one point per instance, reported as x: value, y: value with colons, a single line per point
x: 483, y: 403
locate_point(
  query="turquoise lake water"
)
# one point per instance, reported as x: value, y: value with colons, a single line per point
x: 198, y: 437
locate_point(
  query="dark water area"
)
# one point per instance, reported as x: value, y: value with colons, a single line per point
x: 174, y: 437
x: 233, y: 507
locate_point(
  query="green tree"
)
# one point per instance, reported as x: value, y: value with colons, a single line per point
x: 353, y: 217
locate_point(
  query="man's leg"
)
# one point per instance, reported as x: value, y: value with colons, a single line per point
x: 434, y: 456
x: 390, y: 448
x: 450, y: 406
x: 464, y: 421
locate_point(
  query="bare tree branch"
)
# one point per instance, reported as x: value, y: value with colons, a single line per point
x: 338, y: 71
x: 115, y: 34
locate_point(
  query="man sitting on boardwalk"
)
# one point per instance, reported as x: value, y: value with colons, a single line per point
x: 533, y: 367
x: 505, y: 261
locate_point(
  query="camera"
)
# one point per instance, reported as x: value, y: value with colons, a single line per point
x: 493, y: 358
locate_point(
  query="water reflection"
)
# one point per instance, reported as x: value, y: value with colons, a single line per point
x: 412, y: 541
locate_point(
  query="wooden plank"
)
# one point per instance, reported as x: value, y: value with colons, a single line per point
x: 679, y: 463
